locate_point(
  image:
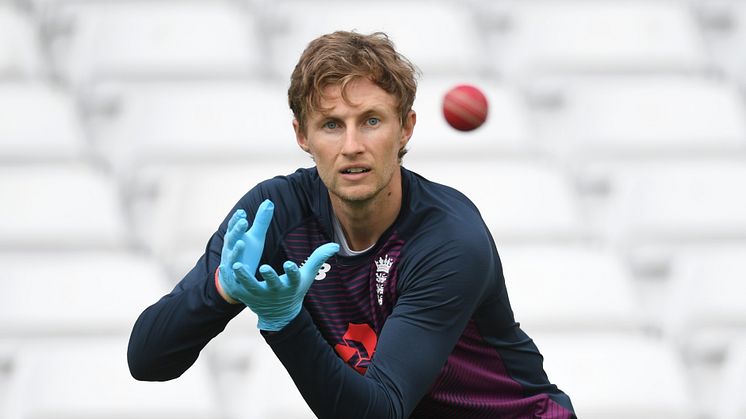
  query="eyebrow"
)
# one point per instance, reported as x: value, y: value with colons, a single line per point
x: 373, y: 109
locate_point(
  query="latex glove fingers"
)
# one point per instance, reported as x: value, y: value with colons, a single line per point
x: 311, y: 268
x: 274, y: 282
x: 236, y: 229
x: 263, y: 218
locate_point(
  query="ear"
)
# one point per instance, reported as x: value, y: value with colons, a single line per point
x: 300, y: 137
x: 408, y: 128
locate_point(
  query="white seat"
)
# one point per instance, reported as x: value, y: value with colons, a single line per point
x: 75, y: 293
x: 540, y: 37
x: 40, y: 123
x: 60, y: 206
x: 725, y: 33
x: 706, y: 311
x: 556, y: 288
x: 162, y: 39
x: 680, y: 201
x: 272, y: 393
x: 136, y: 125
x: 732, y: 404
x: 519, y: 200
x: 7, y: 357
x: 89, y: 379
x: 618, y: 117
x: 617, y: 376
x: 20, y: 51
x: 653, y: 208
x: 417, y: 28
x: 506, y: 131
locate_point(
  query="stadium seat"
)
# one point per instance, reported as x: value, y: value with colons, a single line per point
x: 635, y: 117
x: 507, y: 130
x: 706, y: 312
x: 732, y: 404
x: 20, y: 51
x: 88, y: 378
x: 7, y: 356
x: 561, y: 288
x: 136, y: 125
x: 93, y: 41
x: 550, y: 37
x: 60, y: 206
x: 617, y: 376
x: 71, y: 293
x: 670, y: 203
x: 649, y: 211
x: 724, y: 29
x: 417, y: 28
x: 520, y: 200
x: 273, y: 394
x: 40, y: 123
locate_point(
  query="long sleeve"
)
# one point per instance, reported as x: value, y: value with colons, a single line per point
x: 169, y: 335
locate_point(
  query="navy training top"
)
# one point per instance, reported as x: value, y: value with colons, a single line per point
x: 418, y: 326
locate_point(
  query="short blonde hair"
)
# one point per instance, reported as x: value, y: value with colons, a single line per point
x: 341, y: 57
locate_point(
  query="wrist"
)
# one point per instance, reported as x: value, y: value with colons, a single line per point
x: 278, y: 322
x: 271, y: 326
x: 220, y: 289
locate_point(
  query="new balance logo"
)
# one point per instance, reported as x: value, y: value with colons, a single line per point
x: 323, y: 270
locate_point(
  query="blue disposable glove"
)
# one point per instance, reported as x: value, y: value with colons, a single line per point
x: 278, y: 299
x: 245, y: 247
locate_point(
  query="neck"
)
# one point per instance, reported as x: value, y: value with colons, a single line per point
x: 364, y: 222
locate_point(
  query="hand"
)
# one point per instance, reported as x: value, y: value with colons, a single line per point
x: 242, y: 246
x: 278, y: 299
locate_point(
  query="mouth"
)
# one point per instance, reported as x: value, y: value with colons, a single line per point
x: 354, y: 170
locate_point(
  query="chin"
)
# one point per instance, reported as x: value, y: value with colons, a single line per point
x: 355, y: 195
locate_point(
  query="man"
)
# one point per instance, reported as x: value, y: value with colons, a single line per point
x: 408, y: 316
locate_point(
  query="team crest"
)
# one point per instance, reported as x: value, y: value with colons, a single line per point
x: 383, y: 266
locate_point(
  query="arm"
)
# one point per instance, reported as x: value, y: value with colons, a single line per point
x: 169, y: 335
x: 441, y: 291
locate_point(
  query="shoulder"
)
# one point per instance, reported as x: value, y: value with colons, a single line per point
x: 420, y: 188
x: 444, y: 231
x: 294, y: 188
x: 301, y: 180
x: 441, y: 213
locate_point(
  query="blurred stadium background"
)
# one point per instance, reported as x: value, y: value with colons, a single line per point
x: 612, y: 172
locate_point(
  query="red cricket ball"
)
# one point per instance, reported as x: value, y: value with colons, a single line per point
x: 465, y: 107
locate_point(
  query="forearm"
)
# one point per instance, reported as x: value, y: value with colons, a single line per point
x: 332, y: 388
x: 169, y: 335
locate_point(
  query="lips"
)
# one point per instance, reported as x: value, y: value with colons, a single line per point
x: 354, y: 170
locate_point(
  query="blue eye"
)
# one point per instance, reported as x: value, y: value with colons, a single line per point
x: 373, y: 121
x: 330, y: 125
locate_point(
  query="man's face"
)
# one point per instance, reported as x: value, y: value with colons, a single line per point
x: 356, y: 145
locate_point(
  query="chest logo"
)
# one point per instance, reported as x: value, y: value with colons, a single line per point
x: 383, y: 266
x: 322, y: 271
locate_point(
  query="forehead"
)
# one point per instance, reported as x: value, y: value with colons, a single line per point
x: 361, y: 95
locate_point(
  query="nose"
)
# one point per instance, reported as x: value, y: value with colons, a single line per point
x: 353, y: 142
